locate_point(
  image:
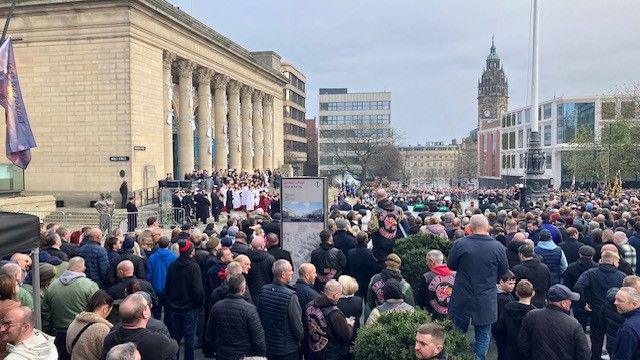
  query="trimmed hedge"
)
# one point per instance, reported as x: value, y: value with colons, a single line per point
x: 413, y: 250
x: 393, y: 337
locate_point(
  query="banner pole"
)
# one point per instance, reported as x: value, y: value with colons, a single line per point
x: 6, y: 23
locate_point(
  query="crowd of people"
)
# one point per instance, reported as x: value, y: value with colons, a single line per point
x: 538, y: 281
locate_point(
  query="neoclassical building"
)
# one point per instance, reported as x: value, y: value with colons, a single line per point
x: 139, y: 86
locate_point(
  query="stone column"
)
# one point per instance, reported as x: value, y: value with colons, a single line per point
x: 235, y: 159
x: 267, y: 111
x: 185, y: 126
x: 247, y: 128
x: 220, y: 109
x: 203, y: 78
x: 258, y: 132
x: 167, y: 128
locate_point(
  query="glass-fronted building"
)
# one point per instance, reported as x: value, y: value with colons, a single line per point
x: 560, y: 121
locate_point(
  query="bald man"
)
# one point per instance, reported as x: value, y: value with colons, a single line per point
x: 261, y: 263
x: 128, y: 284
x: 25, y: 341
x: 479, y: 261
x: 304, y: 284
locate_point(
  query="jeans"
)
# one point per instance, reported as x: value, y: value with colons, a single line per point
x: 61, y: 343
x: 482, y: 335
x: 184, y: 324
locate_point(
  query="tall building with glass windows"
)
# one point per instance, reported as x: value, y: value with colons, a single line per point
x: 349, y: 124
x: 295, y: 140
x: 560, y: 120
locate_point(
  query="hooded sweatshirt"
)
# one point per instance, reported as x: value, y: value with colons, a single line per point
x: 184, y: 285
x: 509, y: 325
x: 38, y: 346
x: 65, y: 298
x: 435, y: 292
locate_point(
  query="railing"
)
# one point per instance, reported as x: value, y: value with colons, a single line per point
x: 147, y: 196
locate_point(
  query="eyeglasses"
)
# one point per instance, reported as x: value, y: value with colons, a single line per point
x: 9, y: 324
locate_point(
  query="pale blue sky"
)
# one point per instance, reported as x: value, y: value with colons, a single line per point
x: 430, y: 54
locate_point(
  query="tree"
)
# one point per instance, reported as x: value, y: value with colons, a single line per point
x: 388, y: 164
x: 355, y: 149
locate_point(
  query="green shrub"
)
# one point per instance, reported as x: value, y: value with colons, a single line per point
x: 413, y: 250
x: 393, y: 337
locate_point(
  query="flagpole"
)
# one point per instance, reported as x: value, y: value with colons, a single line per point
x: 6, y: 23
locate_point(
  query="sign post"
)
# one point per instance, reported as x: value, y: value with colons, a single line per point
x: 304, y: 214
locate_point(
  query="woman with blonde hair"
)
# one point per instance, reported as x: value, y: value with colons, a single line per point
x: 350, y: 304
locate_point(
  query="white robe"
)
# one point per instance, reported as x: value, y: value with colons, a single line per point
x: 237, y: 200
x: 247, y: 199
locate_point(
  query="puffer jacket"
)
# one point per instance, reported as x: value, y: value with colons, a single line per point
x: 234, y: 326
x: 260, y: 273
x: 89, y: 345
x: 594, y: 283
x: 97, y: 263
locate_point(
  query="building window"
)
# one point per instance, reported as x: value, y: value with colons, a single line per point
x: 527, y: 116
x: 296, y: 98
x: 572, y: 118
x: 628, y: 110
x: 547, y: 161
x: 546, y: 109
x: 608, y: 111
x: 11, y: 178
x: 512, y: 140
x: 505, y: 141
x: 356, y: 105
x: 520, y: 139
x: 547, y: 135
x: 522, y: 157
x: 519, y: 117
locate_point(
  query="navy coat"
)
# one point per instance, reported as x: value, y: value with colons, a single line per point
x: 479, y: 261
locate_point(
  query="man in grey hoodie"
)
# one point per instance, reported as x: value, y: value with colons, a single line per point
x: 23, y: 341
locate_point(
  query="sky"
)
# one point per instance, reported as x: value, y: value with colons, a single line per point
x: 430, y: 53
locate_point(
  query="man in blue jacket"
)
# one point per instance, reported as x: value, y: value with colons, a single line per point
x: 95, y: 257
x: 157, y: 268
x: 627, y: 345
x: 479, y: 261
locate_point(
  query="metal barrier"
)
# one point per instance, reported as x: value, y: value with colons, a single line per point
x: 147, y: 196
x: 122, y: 220
x: 171, y: 216
x: 46, y: 216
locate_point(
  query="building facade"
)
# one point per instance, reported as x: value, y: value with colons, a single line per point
x: 493, y: 101
x: 141, y: 87
x: 311, y: 166
x: 560, y: 120
x: 350, y: 126
x: 433, y: 164
x: 294, y: 113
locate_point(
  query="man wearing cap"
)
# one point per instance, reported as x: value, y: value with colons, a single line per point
x: 593, y: 285
x: 185, y: 297
x: 552, y: 256
x: 551, y: 333
x: 574, y: 270
x: 375, y: 296
x: 479, y: 261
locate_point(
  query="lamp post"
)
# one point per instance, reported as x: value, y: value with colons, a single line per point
x: 535, y: 182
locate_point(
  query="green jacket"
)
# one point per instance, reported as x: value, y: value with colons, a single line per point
x: 66, y: 297
x: 25, y: 297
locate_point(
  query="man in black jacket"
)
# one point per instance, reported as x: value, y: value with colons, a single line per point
x: 551, y: 333
x: 512, y: 249
x: 126, y: 279
x: 234, y: 325
x: 273, y: 247
x: 342, y: 238
x: 532, y: 269
x: 328, y: 330
x: 261, y: 267
x: 185, y: 297
x: 281, y: 315
x: 328, y: 260
x: 304, y: 284
x: 571, y: 275
x: 571, y: 246
x: 593, y: 285
x: 361, y: 264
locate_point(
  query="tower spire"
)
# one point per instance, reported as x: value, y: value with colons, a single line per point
x: 493, y: 46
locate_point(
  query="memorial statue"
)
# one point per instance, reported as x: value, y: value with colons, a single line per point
x: 105, y: 207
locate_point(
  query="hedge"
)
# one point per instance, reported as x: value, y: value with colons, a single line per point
x: 393, y: 337
x: 413, y: 250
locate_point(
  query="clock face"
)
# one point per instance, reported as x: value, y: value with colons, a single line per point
x: 487, y: 113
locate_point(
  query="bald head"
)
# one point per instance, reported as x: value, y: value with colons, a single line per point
x: 134, y: 311
x: 258, y: 243
x: 22, y: 259
x: 14, y: 270
x: 244, y: 261
x: 479, y: 224
x: 518, y: 237
x: 94, y: 234
x: 609, y: 247
x: 125, y: 269
x: 233, y: 268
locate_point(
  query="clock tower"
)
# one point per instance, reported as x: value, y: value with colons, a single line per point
x: 493, y: 89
